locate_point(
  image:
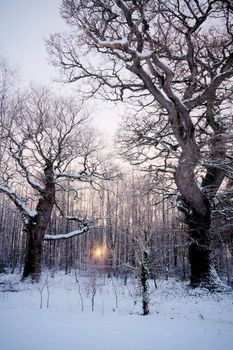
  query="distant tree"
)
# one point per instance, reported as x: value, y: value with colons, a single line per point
x: 144, y: 273
x: 47, y: 140
x: 8, y: 80
x: 169, y: 58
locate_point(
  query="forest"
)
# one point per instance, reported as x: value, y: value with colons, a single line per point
x: 149, y: 211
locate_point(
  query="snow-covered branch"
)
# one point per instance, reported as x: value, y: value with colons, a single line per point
x: 124, y: 45
x: 30, y: 179
x: 77, y: 219
x: 49, y: 237
x: 85, y: 176
x: 18, y: 201
x: 210, y: 89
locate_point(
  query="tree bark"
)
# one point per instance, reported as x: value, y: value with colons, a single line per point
x: 36, y: 228
x: 196, y: 207
x: 33, y: 255
x: 199, y: 249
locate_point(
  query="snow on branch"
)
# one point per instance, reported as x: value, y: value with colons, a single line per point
x: 201, y: 98
x: 18, y: 201
x: 82, y: 176
x: 68, y: 235
x: 77, y: 219
x: 18, y: 156
x: 34, y: 184
x: 124, y: 45
x: 85, y: 176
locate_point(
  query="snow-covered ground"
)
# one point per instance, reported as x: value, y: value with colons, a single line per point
x: 57, y: 314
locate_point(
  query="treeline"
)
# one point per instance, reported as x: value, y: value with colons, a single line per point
x: 120, y: 215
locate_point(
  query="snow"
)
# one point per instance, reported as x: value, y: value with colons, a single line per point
x: 163, y: 94
x: 76, y: 218
x: 66, y: 235
x: 123, y: 43
x: 18, y: 201
x: 30, y: 212
x: 180, y: 318
x: 77, y: 176
x: 87, y: 176
x: 145, y: 53
x: 36, y: 184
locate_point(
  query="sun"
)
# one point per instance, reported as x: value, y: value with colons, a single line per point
x: 99, y: 252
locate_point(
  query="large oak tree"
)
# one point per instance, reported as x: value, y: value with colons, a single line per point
x: 48, y: 145
x: 176, y: 59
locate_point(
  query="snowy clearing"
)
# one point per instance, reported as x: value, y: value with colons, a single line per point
x: 49, y: 315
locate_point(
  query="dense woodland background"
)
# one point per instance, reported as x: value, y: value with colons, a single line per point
x: 120, y: 215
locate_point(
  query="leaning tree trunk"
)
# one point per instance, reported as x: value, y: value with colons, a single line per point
x: 36, y: 229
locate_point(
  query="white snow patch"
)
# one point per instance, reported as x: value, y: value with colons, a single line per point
x: 180, y: 318
x: 144, y: 53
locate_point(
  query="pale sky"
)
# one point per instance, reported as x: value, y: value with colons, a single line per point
x: 24, y: 26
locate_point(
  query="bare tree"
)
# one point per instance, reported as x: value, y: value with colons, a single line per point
x: 8, y: 79
x: 47, y: 141
x: 168, y: 57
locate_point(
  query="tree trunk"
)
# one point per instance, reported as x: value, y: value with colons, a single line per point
x: 36, y: 228
x: 195, y: 205
x: 33, y: 255
x: 199, y: 249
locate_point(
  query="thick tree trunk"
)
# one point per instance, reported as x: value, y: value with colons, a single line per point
x: 33, y: 254
x: 195, y: 205
x: 36, y: 228
x: 199, y: 249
